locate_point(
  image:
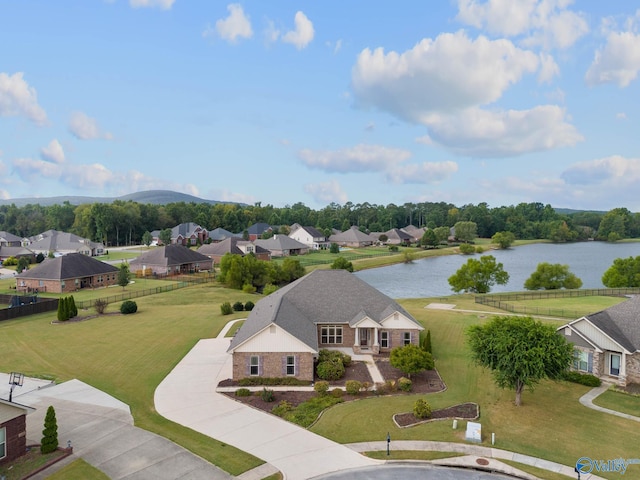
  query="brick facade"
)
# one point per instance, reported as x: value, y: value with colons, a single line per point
x: 633, y: 368
x: 66, y: 286
x: 348, y: 337
x: 273, y: 364
x: 16, y: 438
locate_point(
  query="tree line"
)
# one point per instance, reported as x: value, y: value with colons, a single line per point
x: 124, y: 223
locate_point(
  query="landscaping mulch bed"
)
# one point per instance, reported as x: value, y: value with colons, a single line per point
x: 424, y: 382
x: 464, y: 411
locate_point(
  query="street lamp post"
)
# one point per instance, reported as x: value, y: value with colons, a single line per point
x: 15, y: 380
x: 388, y: 442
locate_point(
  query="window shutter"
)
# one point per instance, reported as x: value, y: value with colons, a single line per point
x: 590, y: 364
x: 284, y: 366
x: 248, y: 366
x: 296, y: 363
x: 260, y: 366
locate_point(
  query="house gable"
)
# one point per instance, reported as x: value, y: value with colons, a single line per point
x: 596, y: 336
x: 273, y: 339
x: 365, y: 322
x: 399, y: 321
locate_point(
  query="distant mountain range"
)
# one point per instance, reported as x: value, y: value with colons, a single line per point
x: 154, y: 197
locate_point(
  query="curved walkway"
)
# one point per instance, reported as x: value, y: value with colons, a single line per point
x: 587, y: 401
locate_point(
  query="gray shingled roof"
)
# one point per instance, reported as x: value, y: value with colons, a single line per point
x: 280, y: 242
x: 321, y: 297
x: 170, y: 255
x: 185, y: 229
x: 621, y: 322
x: 54, y: 241
x: 73, y: 265
x: 219, y: 234
x: 230, y: 245
x: 10, y: 237
x: 352, y: 235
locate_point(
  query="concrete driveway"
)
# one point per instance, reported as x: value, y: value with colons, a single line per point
x: 188, y: 396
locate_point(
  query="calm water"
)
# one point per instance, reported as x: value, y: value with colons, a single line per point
x: 428, y: 277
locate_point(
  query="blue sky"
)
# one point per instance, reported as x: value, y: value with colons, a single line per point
x: 462, y: 101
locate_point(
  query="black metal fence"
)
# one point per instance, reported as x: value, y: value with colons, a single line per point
x: 30, y: 306
x: 502, y: 300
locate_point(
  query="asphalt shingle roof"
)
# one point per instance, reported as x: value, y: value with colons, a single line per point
x: 621, y: 322
x: 170, y: 255
x: 352, y: 235
x: 320, y: 297
x: 280, y: 242
x: 230, y: 245
x: 73, y: 265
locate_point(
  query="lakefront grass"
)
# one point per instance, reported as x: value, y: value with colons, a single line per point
x: 551, y: 423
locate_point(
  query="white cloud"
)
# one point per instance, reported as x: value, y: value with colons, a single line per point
x: 236, y: 197
x: 621, y: 116
x: 303, y: 33
x: 84, y: 127
x: 427, y: 173
x: 480, y: 133
x: 614, y: 170
x: 617, y: 62
x: 361, y: 158
x: 163, y: 4
x: 546, y: 23
x: 449, y: 73
x: 236, y: 25
x: 335, y: 46
x: 52, y: 152
x: 326, y: 192
x: 548, y: 68
x: 271, y: 33
x: 18, y: 98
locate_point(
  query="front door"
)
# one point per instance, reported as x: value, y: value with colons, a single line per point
x: 364, y: 337
x: 615, y: 364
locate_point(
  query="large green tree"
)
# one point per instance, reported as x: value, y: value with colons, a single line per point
x: 478, y: 276
x: 165, y: 236
x: 552, y: 276
x: 124, y: 275
x: 466, y: 231
x: 520, y: 352
x: 624, y: 273
x: 503, y: 239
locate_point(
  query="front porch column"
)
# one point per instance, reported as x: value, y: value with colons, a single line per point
x: 375, y: 337
x: 357, y: 340
x: 623, y: 370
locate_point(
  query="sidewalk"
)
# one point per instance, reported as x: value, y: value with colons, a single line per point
x: 587, y: 401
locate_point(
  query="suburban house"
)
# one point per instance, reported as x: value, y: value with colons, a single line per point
x: 170, y: 260
x: 607, y: 343
x: 396, y: 236
x: 10, y: 240
x: 63, y: 243
x: 189, y: 234
x: 310, y: 236
x: 415, y: 232
x: 219, y: 234
x: 353, y: 237
x: 325, y: 309
x: 256, y: 230
x: 67, y: 273
x: 17, y: 252
x: 13, y: 430
x: 235, y: 246
x: 282, y: 246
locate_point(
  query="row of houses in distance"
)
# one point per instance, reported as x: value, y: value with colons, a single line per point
x: 52, y: 241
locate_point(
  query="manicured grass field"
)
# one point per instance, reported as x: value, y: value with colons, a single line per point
x: 620, y: 402
x: 128, y: 356
x: 565, y: 307
x: 78, y: 470
x: 550, y: 424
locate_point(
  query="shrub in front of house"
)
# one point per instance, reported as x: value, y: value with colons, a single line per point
x: 248, y: 288
x: 405, y: 384
x: 255, y: 381
x: 238, y: 307
x: 249, y: 306
x: 243, y: 392
x: 330, y: 370
x: 128, y: 306
x: 582, y: 378
x: 226, y: 309
x: 100, y: 304
x: 421, y: 409
x: 337, y: 393
x: 321, y: 387
x: 267, y: 395
x: 353, y: 387
x: 282, y: 408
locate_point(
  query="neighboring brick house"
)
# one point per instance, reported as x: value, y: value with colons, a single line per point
x: 310, y: 236
x: 607, y: 343
x: 353, y: 237
x: 63, y: 243
x: 170, y: 260
x: 13, y: 430
x: 66, y: 274
x: 325, y: 309
x: 187, y: 234
x: 235, y: 246
x: 9, y: 240
x: 415, y: 232
x: 256, y: 230
x: 395, y: 236
x: 219, y: 234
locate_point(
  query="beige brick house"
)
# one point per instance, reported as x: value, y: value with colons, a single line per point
x: 13, y: 430
x: 325, y: 309
x: 607, y: 343
x: 66, y: 274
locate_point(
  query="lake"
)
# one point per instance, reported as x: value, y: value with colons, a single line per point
x: 428, y: 277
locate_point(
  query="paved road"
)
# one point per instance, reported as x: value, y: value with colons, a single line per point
x: 410, y: 472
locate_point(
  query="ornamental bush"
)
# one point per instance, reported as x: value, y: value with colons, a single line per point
x: 243, y: 392
x: 100, y: 304
x: 267, y: 395
x: 282, y: 408
x: 128, y: 306
x: 405, y: 384
x: 337, y: 393
x: 49, y: 442
x: 421, y: 409
x: 238, y: 307
x: 582, y: 378
x: 249, y: 306
x: 321, y: 387
x: 353, y: 387
x: 467, y: 249
x: 330, y: 370
x: 226, y: 309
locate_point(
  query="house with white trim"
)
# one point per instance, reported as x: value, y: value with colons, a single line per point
x: 607, y: 343
x: 324, y: 309
x: 13, y: 430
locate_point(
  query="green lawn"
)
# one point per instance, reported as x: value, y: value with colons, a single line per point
x: 619, y: 401
x: 565, y: 307
x: 128, y: 356
x: 78, y: 470
x: 550, y: 424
